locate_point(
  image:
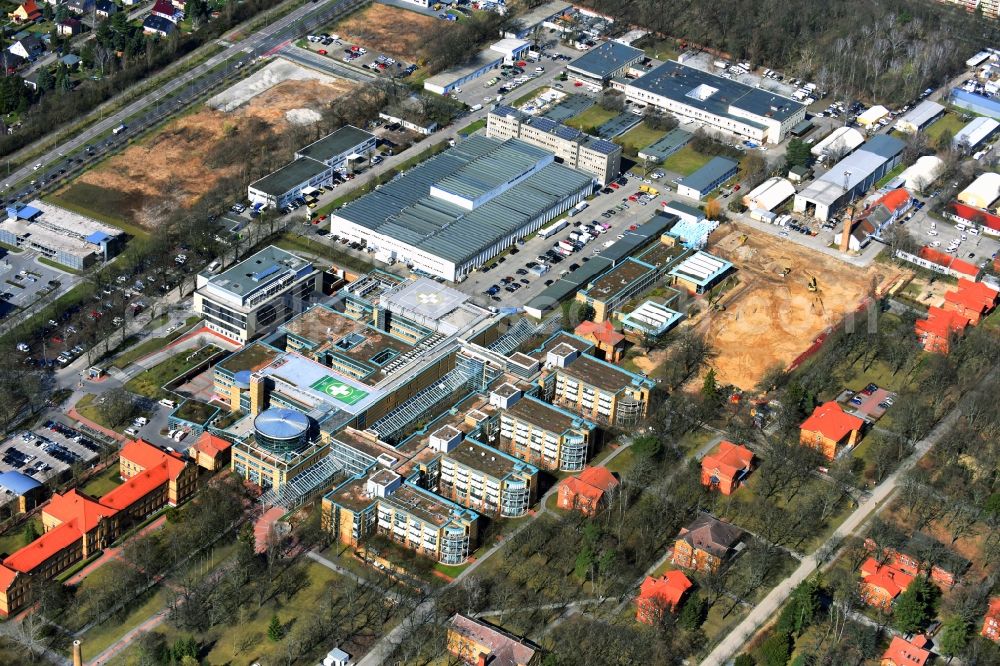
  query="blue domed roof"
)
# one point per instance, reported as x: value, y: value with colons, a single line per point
x: 18, y: 483
x: 281, y: 423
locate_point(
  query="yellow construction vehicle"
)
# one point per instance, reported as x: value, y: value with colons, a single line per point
x: 812, y: 284
x: 743, y: 239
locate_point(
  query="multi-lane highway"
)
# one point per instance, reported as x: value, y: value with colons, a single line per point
x: 173, y: 96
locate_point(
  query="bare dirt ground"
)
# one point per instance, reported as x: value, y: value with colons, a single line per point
x: 769, y: 319
x: 169, y: 169
x: 389, y: 30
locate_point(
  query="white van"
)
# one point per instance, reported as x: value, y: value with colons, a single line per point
x: 476, y: 107
x: 168, y: 403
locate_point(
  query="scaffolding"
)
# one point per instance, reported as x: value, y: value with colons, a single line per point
x: 392, y: 424
x: 291, y: 494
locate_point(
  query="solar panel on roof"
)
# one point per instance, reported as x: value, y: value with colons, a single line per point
x: 568, y: 133
x: 603, y: 146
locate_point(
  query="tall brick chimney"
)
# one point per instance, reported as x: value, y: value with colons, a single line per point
x: 77, y: 653
x: 845, y: 236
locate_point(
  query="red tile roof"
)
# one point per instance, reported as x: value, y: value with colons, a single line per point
x: 941, y: 323
x: 7, y: 576
x: 729, y: 458
x: 134, y: 489
x: 75, y: 506
x: 44, y: 547
x: 831, y: 421
x: 604, y: 332
x: 145, y: 455
x: 211, y: 445
x: 885, y: 577
x: 592, y: 482
x: 666, y: 590
x: 902, y: 653
x: 974, y: 296
x: 948, y: 261
x: 895, y: 199
x: 971, y: 214
x: 164, y: 7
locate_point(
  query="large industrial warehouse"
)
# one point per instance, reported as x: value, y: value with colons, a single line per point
x: 849, y: 178
x: 456, y: 211
x: 720, y: 103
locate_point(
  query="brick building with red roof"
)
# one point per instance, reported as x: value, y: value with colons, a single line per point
x: 952, y: 265
x: 727, y: 467
x: 830, y: 427
x: 882, y: 583
x: 78, y: 526
x: 936, y: 332
x: 991, y: 621
x: 210, y: 452
x: 972, y: 300
x: 658, y: 596
x: 585, y: 491
x: 906, y: 653
x: 608, y: 341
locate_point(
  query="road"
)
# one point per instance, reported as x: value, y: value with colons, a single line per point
x: 329, y: 65
x: 182, y: 89
x: 768, y: 608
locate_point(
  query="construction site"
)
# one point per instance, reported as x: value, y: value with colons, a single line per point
x: 783, y: 298
x: 143, y: 184
x: 397, y: 32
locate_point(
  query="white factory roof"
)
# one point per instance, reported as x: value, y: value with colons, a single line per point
x: 701, y: 268
x: 919, y: 115
x: 842, y: 138
x: 770, y: 194
x: 974, y: 133
x: 923, y: 172
x: 986, y: 189
x: 873, y: 115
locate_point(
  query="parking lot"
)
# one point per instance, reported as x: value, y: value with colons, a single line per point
x: 47, y: 451
x: 25, y: 280
x: 331, y: 46
x: 976, y: 248
x: 515, y: 265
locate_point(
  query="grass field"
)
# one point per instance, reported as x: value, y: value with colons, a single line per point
x: 685, y: 161
x: 661, y: 49
x: 152, y: 345
x: 895, y: 171
x: 473, y: 127
x: 595, y: 116
x: 638, y: 137
x: 948, y: 122
x: 102, y: 483
x: 294, y: 242
x: 150, y: 382
x: 14, y: 539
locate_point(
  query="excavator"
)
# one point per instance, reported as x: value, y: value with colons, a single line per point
x: 812, y: 285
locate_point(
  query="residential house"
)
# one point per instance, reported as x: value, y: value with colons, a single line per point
x: 605, y: 338
x: 105, y: 8
x: 210, y: 452
x: 727, y: 467
x: 585, y: 491
x: 941, y: 326
x: 991, y: 622
x: 972, y: 300
x: 706, y: 544
x: 80, y: 6
x: 881, y: 213
x: 69, y: 27
x: 166, y: 9
x: 919, y: 553
x: 10, y: 61
x: 26, y: 12
x: 658, y: 596
x: 157, y: 25
x: 29, y: 47
x: 477, y: 643
x: 882, y: 583
x: 829, y: 427
x: 906, y: 653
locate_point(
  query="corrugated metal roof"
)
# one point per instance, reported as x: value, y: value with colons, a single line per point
x: 604, y: 60
x: 705, y: 177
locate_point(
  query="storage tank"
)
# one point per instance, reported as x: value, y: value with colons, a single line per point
x: 282, y: 430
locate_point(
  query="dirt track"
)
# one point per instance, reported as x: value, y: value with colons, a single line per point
x: 768, y: 319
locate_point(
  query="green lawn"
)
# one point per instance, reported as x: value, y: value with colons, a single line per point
x: 150, y: 382
x: 950, y: 122
x: 14, y: 539
x: 638, y: 137
x: 152, y: 345
x: 595, y: 116
x: 473, y: 127
x: 661, y: 49
x: 685, y: 161
x: 895, y: 171
x: 103, y: 483
x: 294, y: 242
x: 856, y: 377
x: 622, y: 462
x: 196, y: 411
x: 101, y: 637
